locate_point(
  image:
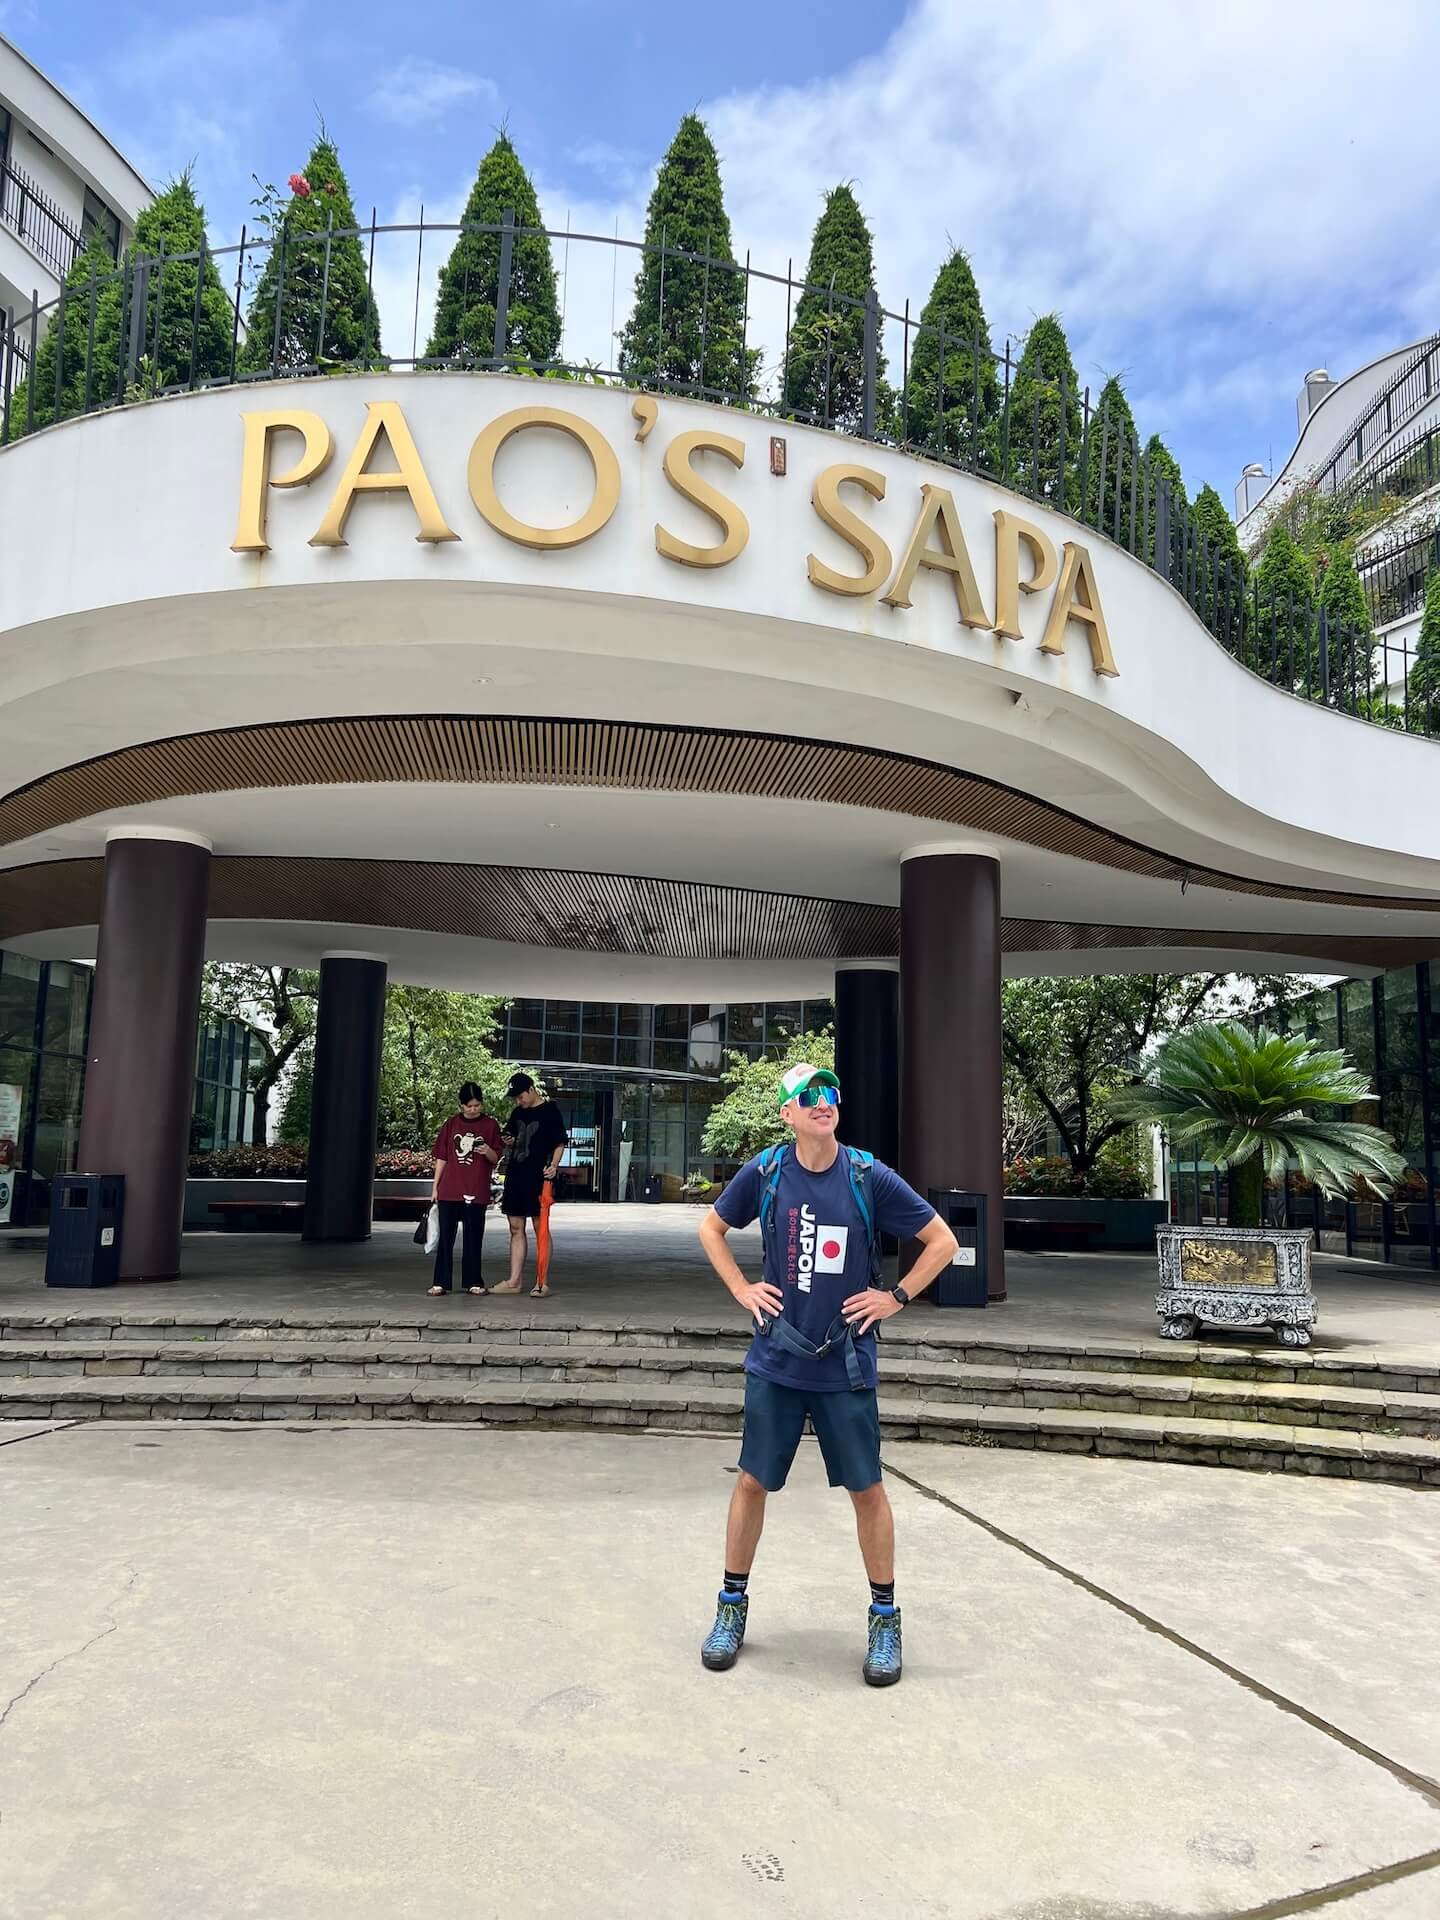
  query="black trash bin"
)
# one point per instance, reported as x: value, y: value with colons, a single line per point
x: 86, y: 1216
x: 965, y: 1282
x: 654, y: 1188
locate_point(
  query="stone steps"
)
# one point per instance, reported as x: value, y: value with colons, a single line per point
x: 1324, y: 1405
x: 932, y: 1336
x: 1176, y: 1436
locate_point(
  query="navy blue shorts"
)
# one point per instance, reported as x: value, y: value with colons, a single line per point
x: 846, y: 1424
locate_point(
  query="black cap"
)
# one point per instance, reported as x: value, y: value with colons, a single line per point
x: 520, y: 1083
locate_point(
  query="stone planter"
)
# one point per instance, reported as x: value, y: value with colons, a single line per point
x: 1236, y: 1277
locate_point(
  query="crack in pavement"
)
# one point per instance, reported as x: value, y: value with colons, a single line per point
x: 74, y: 1653
x: 1291, y: 1904
x: 15, y: 1439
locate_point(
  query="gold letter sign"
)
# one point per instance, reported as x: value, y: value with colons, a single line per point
x: 383, y: 421
x: 255, y: 474
x: 684, y: 479
x: 1076, y: 598
x: 851, y: 528
x: 604, y: 465
x: 1010, y: 531
x: 952, y: 556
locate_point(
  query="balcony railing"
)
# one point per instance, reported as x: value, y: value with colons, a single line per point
x: 31, y: 214
x: 719, y: 331
x: 1416, y: 383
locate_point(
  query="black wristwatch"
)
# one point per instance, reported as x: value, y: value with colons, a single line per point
x: 901, y: 1295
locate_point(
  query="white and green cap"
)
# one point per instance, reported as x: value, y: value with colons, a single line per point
x: 798, y: 1078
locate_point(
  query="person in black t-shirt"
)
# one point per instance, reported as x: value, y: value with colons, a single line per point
x: 535, y: 1136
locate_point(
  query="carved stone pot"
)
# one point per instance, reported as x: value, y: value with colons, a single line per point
x: 1236, y: 1277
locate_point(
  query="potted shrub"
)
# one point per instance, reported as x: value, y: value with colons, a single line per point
x: 1247, y: 1102
x: 698, y: 1187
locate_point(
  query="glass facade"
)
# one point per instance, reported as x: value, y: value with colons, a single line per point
x: 1389, y: 1028
x: 44, y: 1021
x: 636, y: 1084
x: 44, y: 1030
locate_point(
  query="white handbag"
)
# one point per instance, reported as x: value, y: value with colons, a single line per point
x: 432, y: 1229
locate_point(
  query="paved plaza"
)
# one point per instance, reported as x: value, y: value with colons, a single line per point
x: 360, y: 1672
x: 644, y: 1264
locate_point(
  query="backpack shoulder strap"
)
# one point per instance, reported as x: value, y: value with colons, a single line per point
x: 860, y: 1166
x: 772, y: 1161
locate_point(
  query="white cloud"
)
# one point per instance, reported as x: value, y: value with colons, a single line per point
x: 418, y: 93
x: 1211, y: 202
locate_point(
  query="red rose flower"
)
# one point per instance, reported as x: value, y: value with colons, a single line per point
x: 300, y: 186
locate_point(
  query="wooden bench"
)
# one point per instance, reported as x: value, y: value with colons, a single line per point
x: 287, y: 1213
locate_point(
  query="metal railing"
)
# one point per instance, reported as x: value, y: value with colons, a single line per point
x: 30, y: 212
x: 719, y: 330
x: 1403, y: 395
x: 1394, y: 575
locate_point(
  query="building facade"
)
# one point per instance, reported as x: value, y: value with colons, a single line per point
x: 61, y: 184
x: 1369, y: 442
x: 631, y: 696
x: 44, y: 1031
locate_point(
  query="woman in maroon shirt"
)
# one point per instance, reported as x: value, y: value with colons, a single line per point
x: 466, y: 1150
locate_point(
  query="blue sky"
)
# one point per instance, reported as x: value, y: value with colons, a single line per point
x: 1214, y: 201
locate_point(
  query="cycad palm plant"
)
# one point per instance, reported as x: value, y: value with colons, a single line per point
x: 1245, y: 1100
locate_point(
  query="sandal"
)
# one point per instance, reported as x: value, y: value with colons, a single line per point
x: 437, y: 1290
x: 539, y: 1293
x: 477, y: 1290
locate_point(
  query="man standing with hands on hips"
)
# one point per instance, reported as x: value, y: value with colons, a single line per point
x: 822, y: 1208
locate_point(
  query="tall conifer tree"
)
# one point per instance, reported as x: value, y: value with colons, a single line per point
x: 1424, y: 682
x: 464, y: 326
x: 1112, y: 463
x: 1349, y: 636
x: 1223, y: 575
x: 179, y: 344
x: 824, y: 375
x: 687, y: 325
x: 1162, y: 468
x: 313, y: 305
x: 951, y: 404
x: 1044, y: 460
x: 1285, y: 641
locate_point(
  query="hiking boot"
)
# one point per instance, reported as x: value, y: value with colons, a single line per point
x: 727, y: 1636
x: 882, y: 1660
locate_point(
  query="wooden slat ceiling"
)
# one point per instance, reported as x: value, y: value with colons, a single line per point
x: 613, y: 913
x: 592, y: 753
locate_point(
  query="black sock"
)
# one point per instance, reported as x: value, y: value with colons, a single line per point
x: 882, y: 1593
x: 736, y: 1582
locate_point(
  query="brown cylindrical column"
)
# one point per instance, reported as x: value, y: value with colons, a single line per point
x: 140, y: 1073
x: 950, y: 1071
x: 867, y: 1057
x: 345, y: 1098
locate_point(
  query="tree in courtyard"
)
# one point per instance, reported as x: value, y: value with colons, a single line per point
x: 1424, y: 682
x: 279, y: 1005
x: 313, y: 305
x: 465, y: 310
x: 744, y: 1120
x: 1223, y: 575
x: 432, y: 1041
x: 824, y: 373
x: 1349, y: 657
x: 1071, y: 1043
x: 1285, y: 644
x: 1112, y: 466
x: 951, y: 402
x: 1246, y: 1100
x: 687, y: 326
x: 1045, y: 418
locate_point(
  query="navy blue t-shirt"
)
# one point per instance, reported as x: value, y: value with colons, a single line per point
x: 817, y: 1255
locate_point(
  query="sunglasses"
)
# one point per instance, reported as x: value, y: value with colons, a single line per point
x: 818, y: 1097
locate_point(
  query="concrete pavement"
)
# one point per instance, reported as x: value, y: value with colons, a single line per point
x: 362, y: 1672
